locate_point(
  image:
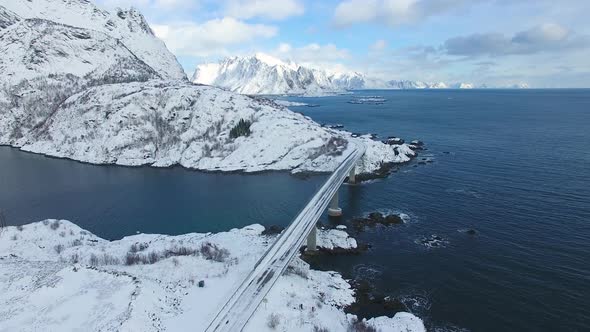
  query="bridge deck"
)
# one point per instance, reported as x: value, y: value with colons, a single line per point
x: 236, y: 312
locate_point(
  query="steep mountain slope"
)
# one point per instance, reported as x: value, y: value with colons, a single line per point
x: 43, y: 63
x: 36, y: 47
x: 129, y: 26
x: 262, y: 74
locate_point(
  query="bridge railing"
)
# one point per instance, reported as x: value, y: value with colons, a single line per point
x: 236, y: 312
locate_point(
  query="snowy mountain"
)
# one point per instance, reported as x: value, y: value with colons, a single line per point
x: 262, y: 74
x: 128, y: 26
x: 87, y: 95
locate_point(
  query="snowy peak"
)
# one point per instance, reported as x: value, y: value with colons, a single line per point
x: 264, y: 74
x: 128, y: 26
x: 272, y: 61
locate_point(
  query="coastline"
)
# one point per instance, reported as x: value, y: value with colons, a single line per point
x: 161, y: 290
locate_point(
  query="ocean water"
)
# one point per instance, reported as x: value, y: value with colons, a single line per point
x: 512, y: 164
x: 115, y: 201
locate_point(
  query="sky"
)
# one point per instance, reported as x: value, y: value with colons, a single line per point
x: 543, y: 43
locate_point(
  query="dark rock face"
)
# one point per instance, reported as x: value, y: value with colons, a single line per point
x: 366, y: 300
x: 361, y: 248
x: 391, y: 140
x: 417, y: 143
x: 375, y: 218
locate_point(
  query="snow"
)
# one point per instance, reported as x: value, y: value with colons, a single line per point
x: 335, y: 238
x: 128, y: 26
x: 208, y: 73
x: 42, y: 288
x: 93, y: 95
x: 262, y: 74
x: 118, y: 124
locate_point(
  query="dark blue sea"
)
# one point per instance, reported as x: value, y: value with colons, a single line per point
x: 514, y: 165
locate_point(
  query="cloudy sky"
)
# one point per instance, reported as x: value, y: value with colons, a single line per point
x: 545, y: 43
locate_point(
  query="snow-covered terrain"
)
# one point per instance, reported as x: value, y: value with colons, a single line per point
x: 57, y: 276
x: 95, y: 95
x: 262, y: 74
x: 128, y: 26
x: 159, y: 123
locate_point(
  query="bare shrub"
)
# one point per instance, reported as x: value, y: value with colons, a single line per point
x: 152, y: 258
x: 59, y: 248
x: 20, y: 228
x: 212, y: 252
x: 180, y: 251
x: 175, y: 261
x: 45, y: 222
x: 132, y: 259
x: 319, y: 329
x: 273, y: 321
x: 93, y: 261
x: 297, y: 270
x: 136, y: 247
x: 106, y: 259
x: 76, y: 243
x: 54, y: 225
x: 75, y: 259
x: 14, y: 237
x: 62, y: 234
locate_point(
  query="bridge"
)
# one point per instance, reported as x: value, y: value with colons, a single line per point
x: 235, y: 313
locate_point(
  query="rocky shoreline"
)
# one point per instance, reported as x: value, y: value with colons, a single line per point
x: 153, y: 282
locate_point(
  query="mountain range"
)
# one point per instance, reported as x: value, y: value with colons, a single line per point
x: 263, y: 74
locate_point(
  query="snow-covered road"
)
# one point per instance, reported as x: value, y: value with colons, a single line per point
x: 235, y: 313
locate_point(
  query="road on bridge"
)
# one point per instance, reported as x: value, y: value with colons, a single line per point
x: 235, y: 313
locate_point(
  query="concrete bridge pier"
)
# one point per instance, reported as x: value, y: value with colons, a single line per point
x: 352, y: 176
x: 334, y: 210
x: 312, y: 239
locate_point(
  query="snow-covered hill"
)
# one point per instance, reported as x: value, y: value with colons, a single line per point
x: 83, y: 94
x: 162, y: 124
x: 128, y: 26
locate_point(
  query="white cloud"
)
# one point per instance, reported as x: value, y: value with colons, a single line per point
x: 313, y: 55
x: 379, y: 45
x: 269, y: 9
x: 392, y: 12
x: 211, y: 37
x: 547, y: 37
